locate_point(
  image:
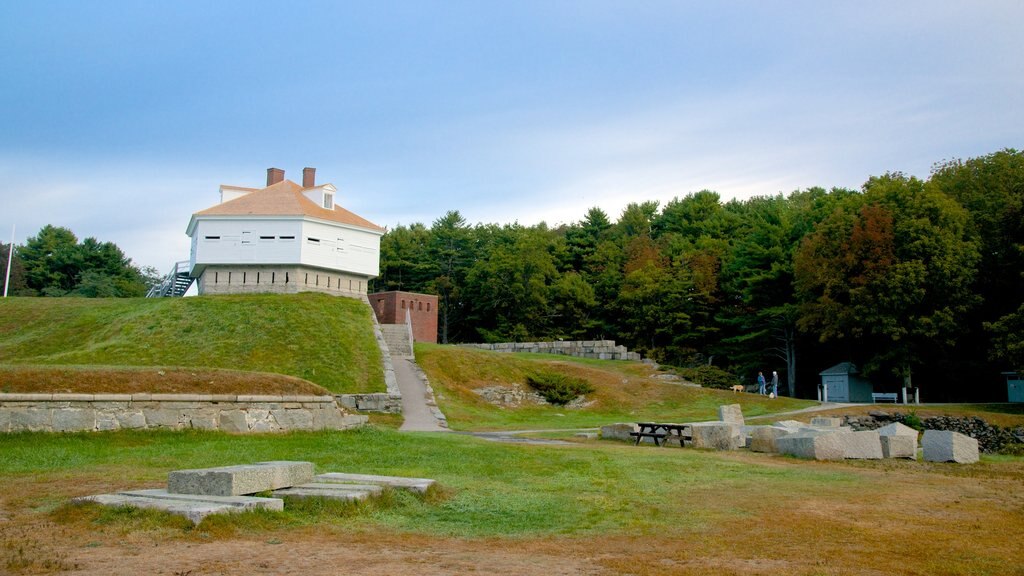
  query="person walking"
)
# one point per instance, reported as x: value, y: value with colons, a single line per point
x: 760, y: 383
x: 775, y: 384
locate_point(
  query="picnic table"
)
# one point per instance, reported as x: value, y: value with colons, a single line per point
x: 663, y: 433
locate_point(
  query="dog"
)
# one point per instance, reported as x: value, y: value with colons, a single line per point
x: 738, y: 388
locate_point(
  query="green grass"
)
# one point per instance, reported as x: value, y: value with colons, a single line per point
x: 323, y: 339
x: 489, y: 489
x: 624, y: 392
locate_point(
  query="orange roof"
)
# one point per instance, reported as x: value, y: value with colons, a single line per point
x: 284, y: 199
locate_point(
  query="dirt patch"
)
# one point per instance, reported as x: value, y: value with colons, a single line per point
x: 101, y: 380
x: 907, y: 518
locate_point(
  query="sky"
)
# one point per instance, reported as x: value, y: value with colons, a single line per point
x: 122, y: 118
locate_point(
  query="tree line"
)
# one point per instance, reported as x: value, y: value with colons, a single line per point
x: 918, y: 282
x: 55, y: 263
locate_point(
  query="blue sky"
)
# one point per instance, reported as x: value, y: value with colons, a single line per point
x: 121, y: 119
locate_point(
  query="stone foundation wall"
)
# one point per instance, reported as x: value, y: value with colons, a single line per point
x: 228, y: 413
x: 263, y: 279
x: 596, y: 349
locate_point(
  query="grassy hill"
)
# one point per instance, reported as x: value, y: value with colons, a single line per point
x: 624, y: 391
x: 325, y: 340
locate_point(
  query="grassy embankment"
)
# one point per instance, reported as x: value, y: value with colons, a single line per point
x: 294, y: 344
x: 641, y: 510
x: 625, y: 392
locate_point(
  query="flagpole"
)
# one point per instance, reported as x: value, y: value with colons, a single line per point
x: 10, y: 257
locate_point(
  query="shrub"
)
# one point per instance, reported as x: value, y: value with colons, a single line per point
x: 558, y: 388
x: 709, y: 376
x: 914, y: 421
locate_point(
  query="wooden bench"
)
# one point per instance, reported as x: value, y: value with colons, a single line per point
x: 877, y: 397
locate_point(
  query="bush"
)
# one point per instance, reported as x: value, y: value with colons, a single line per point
x: 709, y: 376
x: 914, y: 421
x: 559, y: 388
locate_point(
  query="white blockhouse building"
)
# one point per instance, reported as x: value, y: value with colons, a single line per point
x: 283, y: 238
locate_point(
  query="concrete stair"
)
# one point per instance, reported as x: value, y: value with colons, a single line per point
x: 398, y: 340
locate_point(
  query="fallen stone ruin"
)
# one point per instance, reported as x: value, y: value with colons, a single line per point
x: 196, y: 494
x: 824, y: 438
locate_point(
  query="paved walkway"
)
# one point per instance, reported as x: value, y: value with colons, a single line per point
x: 419, y: 415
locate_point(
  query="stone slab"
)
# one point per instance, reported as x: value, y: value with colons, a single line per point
x: 813, y: 445
x: 863, y: 445
x: 192, y: 506
x: 731, y: 413
x: 899, y: 446
x: 897, y: 429
x: 716, y: 435
x: 826, y: 422
x: 331, y: 491
x: 618, y: 431
x: 949, y: 446
x: 238, y: 480
x: 398, y: 482
x: 764, y: 438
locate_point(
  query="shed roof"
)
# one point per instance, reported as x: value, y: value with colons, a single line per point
x: 840, y: 369
x: 285, y: 199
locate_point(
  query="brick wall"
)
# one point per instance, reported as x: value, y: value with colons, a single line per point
x: 391, y: 308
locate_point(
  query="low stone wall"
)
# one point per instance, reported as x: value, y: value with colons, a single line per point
x: 228, y: 413
x: 375, y: 402
x: 596, y: 349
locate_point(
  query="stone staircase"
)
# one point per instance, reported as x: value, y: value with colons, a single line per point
x: 196, y: 494
x: 399, y: 340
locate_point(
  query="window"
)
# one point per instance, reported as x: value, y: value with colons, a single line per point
x: 329, y: 201
x: 213, y: 237
x: 312, y: 240
x: 287, y: 237
x: 266, y: 237
x: 428, y: 306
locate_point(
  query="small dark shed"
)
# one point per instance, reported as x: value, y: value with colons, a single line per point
x: 843, y: 385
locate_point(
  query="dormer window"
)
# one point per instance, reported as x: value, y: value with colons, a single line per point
x: 329, y: 201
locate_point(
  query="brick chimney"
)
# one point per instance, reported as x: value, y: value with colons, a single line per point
x: 308, y: 177
x: 274, y: 175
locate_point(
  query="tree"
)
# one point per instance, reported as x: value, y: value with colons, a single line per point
x: 18, y: 286
x: 52, y: 261
x: 991, y: 188
x: 511, y: 286
x: 56, y: 264
x: 891, y: 269
x: 404, y: 260
x: 449, y: 257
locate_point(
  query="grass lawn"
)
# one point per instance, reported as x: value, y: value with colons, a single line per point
x: 625, y: 392
x: 325, y: 340
x: 601, y: 508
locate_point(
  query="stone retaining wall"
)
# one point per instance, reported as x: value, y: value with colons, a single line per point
x: 228, y: 413
x: 596, y: 349
x: 388, y: 403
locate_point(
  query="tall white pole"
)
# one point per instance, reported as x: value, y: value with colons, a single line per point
x: 10, y: 257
